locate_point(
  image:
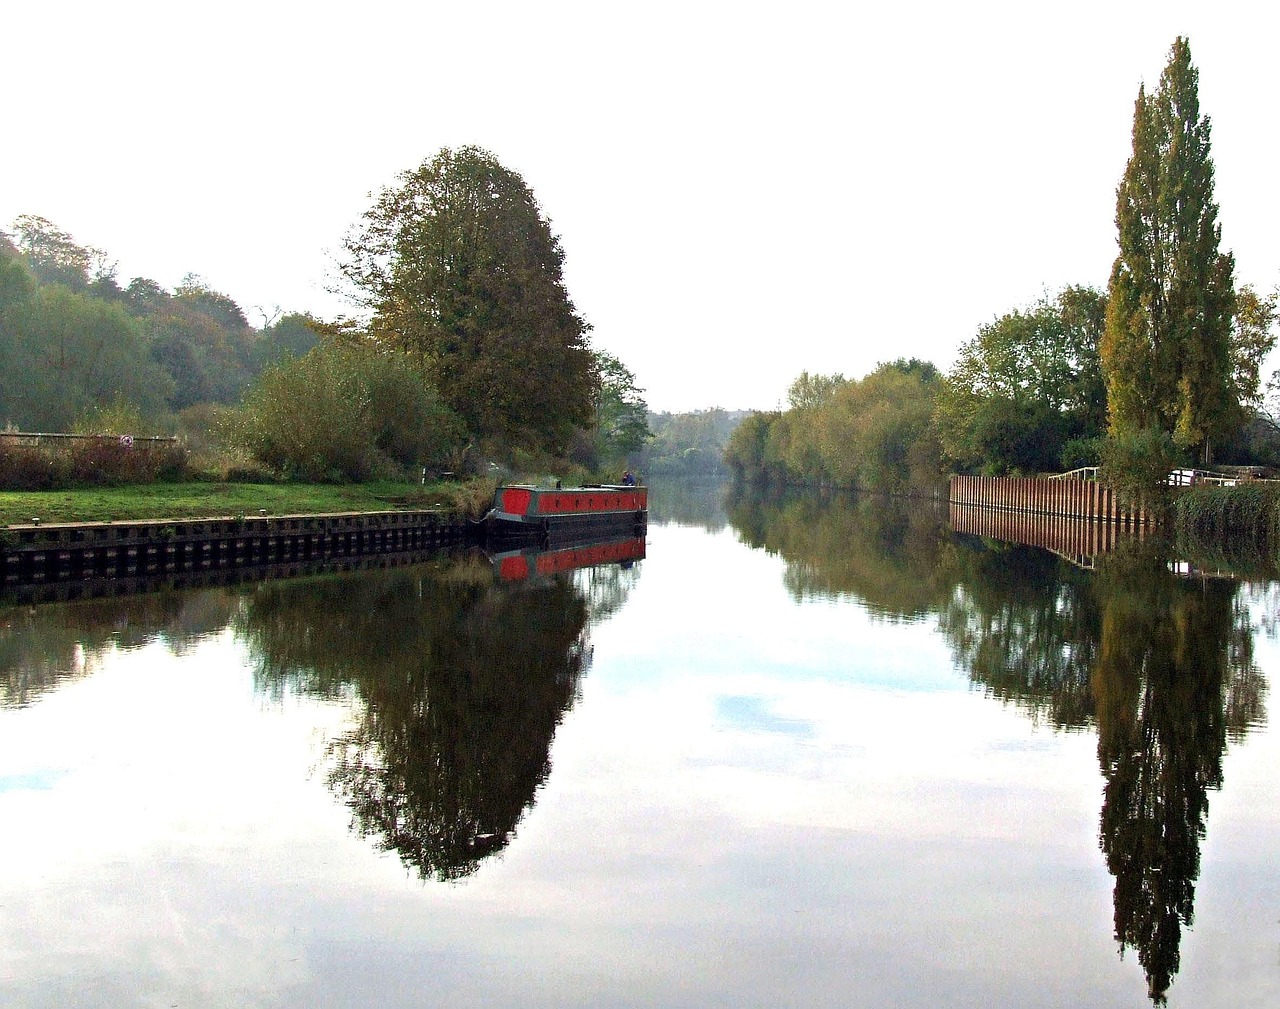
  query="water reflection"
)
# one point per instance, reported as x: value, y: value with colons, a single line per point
x: 42, y: 648
x: 1161, y: 665
x: 689, y: 502
x: 462, y: 679
x: 887, y: 552
x: 458, y: 677
x: 1023, y: 625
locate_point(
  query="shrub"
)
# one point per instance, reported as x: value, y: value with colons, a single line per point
x: 1138, y: 464
x: 1248, y: 512
x: 344, y: 412
x: 1078, y: 452
x: 92, y: 462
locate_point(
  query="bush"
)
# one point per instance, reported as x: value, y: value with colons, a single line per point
x: 1138, y: 464
x: 345, y: 412
x: 1079, y: 452
x: 1249, y: 512
x: 95, y: 462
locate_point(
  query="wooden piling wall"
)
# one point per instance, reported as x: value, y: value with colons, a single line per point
x: 1078, y: 519
x: 1068, y: 498
x: 85, y: 551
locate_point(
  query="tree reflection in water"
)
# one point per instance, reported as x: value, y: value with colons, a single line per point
x: 1161, y: 666
x: 44, y: 647
x: 463, y: 680
x: 1175, y: 664
x: 887, y: 552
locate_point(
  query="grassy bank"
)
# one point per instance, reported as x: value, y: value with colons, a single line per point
x: 208, y: 500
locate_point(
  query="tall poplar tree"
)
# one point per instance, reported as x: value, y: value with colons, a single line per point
x: 1166, y: 349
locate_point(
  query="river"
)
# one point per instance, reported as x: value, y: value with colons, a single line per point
x: 803, y: 753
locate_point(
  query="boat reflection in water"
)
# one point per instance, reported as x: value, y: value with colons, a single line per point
x: 517, y: 565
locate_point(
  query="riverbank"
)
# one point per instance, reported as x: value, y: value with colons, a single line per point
x: 194, y: 500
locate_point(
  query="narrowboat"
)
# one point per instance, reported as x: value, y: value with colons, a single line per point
x: 542, y: 513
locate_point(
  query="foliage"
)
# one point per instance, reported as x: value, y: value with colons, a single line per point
x: 1024, y: 385
x: 1247, y: 513
x: 877, y: 433
x: 93, y: 462
x: 1137, y: 464
x: 65, y: 352
x: 1253, y: 338
x: 874, y: 433
x: 750, y: 452
x: 1080, y: 452
x: 688, y: 444
x: 73, y: 340
x: 202, y: 339
x: 462, y: 272
x: 344, y: 412
x: 812, y: 392
x: 53, y: 256
x: 292, y: 335
x: 1166, y: 352
x: 622, y: 417
x: 119, y: 417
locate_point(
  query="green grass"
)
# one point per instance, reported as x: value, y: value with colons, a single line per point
x: 210, y: 500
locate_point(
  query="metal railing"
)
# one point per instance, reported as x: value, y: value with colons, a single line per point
x: 35, y: 438
x: 1176, y: 478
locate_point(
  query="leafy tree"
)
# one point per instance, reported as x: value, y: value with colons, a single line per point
x: 195, y: 293
x: 461, y: 270
x: 143, y: 296
x: 747, y: 453
x: 877, y: 433
x: 291, y: 335
x: 203, y: 340
x: 53, y: 255
x: 691, y: 444
x: 622, y: 417
x: 1166, y: 352
x: 66, y: 353
x: 1252, y: 339
x: 1025, y: 384
x: 812, y: 392
x: 810, y: 397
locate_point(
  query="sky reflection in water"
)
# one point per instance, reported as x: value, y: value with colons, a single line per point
x: 763, y: 781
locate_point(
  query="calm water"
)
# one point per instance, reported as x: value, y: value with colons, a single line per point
x: 802, y: 754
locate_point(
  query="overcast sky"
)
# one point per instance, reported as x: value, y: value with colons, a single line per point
x: 743, y: 190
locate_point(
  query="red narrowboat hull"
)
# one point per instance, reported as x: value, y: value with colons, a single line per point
x: 522, y: 510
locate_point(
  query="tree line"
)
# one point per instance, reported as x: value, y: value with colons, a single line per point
x: 73, y: 340
x: 1162, y: 368
x: 466, y: 347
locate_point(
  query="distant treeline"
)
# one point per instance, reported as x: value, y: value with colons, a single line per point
x: 74, y: 340
x: 688, y: 444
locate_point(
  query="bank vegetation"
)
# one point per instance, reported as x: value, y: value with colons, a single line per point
x: 465, y: 357
x: 1162, y: 370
